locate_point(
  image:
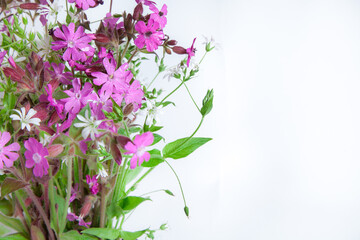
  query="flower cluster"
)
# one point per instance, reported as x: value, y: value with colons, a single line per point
x: 78, y: 124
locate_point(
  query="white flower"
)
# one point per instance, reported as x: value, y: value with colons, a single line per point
x: 45, y: 139
x: 52, y: 9
x: 89, y: 124
x: 44, y: 45
x: 26, y: 119
x: 102, y: 172
x: 153, y: 112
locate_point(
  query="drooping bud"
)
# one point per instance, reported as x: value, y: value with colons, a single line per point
x: 179, y: 50
x: 115, y: 152
x: 102, y: 38
x: 128, y: 109
x: 122, y: 140
x: 87, y: 206
x: 29, y: 6
x: 138, y: 11
x: 172, y: 42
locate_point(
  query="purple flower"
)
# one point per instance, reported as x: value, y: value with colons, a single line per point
x: 72, y: 217
x: 191, y: 52
x: 76, y: 43
x: 7, y: 154
x: 113, y: 79
x: 134, y: 95
x: 93, y: 184
x: 59, y: 74
x: 35, y: 157
x: 148, y: 35
x: 111, y: 22
x: 74, y: 192
x: 2, y: 55
x: 137, y: 147
x: 52, y: 102
x: 159, y: 16
x: 77, y: 98
x: 84, y: 4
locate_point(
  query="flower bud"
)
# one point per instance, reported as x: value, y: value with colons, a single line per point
x: 29, y: 6
x: 55, y: 150
x: 179, y: 50
x: 138, y: 11
x: 102, y: 38
x: 115, y: 152
x: 172, y: 42
x: 207, y: 102
x: 128, y: 109
x: 122, y: 140
x: 167, y: 50
x: 84, y: 211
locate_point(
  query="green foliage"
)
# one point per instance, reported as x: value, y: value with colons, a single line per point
x: 207, y: 102
x: 10, y: 185
x: 107, y: 233
x: 183, y: 147
x: 75, y: 235
x: 131, y: 202
x: 16, y: 236
x: 155, y: 159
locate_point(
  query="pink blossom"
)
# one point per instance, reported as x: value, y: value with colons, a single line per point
x: 74, y: 192
x: 113, y: 79
x: 52, y: 102
x: 134, y: 94
x: 77, y: 97
x: 2, y: 55
x: 159, y: 16
x: 111, y: 22
x: 93, y: 184
x: 191, y: 52
x: 76, y: 43
x: 84, y: 4
x: 35, y: 157
x: 72, y: 217
x: 137, y: 147
x: 148, y: 35
x: 59, y: 74
x: 7, y: 154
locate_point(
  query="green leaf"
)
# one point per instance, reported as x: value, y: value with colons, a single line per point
x: 36, y: 233
x: 155, y: 159
x: 75, y: 235
x: 155, y: 128
x: 207, y: 102
x: 170, y: 193
x: 131, y: 202
x: 10, y: 185
x: 167, y: 103
x: 107, y: 233
x: 13, y: 223
x: 131, y: 235
x: 6, y: 207
x: 183, y: 147
x: 186, y: 210
x: 16, y: 236
x: 114, y: 210
x: 157, y: 138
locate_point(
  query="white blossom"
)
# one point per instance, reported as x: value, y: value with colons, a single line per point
x: 89, y: 124
x: 153, y: 112
x: 25, y: 119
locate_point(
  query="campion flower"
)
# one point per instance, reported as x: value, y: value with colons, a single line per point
x: 25, y: 119
x: 77, y: 97
x: 137, y: 147
x: 76, y: 43
x: 89, y: 124
x: 72, y: 217
x: 48, y: 9
x: 52, y: 102
x: 35, y: 157
x: 7, y: 153
x: 2, y: 55
x: 153, y: 112
x: 134, y: 94
x: 93, y: 184
x: 159, y: 16
x: 191, y: 52
x: 83, y: 4
x: 59, y: 74
x: 149, y: 35
x: 113, y: 79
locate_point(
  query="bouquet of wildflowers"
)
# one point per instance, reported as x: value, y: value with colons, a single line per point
x: 78, y: 128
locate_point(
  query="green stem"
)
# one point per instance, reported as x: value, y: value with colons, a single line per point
x: 187, y: 89
x: 177, y: 177
x: 58, y: 187
x: 123, y: 53
x: 154, y: 79
x: 68, y: 194
x: 26, y: 212
x: 182, y: 82
x: 52, y: 203
x: 198, y: 127
x: 202, y: 58
x: 140, y: 179
x: 132, y: 56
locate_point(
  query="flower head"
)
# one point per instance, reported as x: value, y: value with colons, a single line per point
x: 149, y: 35
x: 25, y: 119
x: 93, y: 184
x: 7, y: 153
x: 137, y: 147
x: 89, y: 124
x: 159, y: 16
x: 76, y: 43
x: 77, y: 97
x: 35, y: 157
x: 84, y: 4
x: 191, y: 52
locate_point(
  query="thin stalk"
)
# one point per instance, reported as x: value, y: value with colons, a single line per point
x: 202, y: 58
x: 81, y: 185
x: 198, y: 127
x: 152, y: 81
x: 41, y: 211
x: 140, y: 179
x: 123, y: 53
x: 102, y: 205
x: 182, y: 82
x: 22, y: 204
x: 111, y: 3
x: 58, y: 187
x: 52, y: 203
x: 68, y: 194
x: 187, y: 89
x: 177, y: 177
x: 133, y: 55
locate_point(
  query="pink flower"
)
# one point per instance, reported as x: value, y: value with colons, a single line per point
x: 93, y: 184
x: 159, y: 16
x: 72, y: 217
x: 148, y: 35
x: 84, y: 4
x: 35, y: 157
x: 137, y: 147
x: 7, y: 154
x: 191, y: 52
x: 2, y: 55
x: 113, y: 79
x: 59, y: 74
x: 74, y: 192
x: 52, y: 102
x: 134, y: 94
x: 76, y: 43
x: 77, y: 98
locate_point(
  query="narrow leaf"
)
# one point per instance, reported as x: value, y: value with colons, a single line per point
x: 131, y: 202
x: 183, y: 147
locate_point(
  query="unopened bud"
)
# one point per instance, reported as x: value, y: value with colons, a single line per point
x: 86, y: 206
x: 29, y: 6
x: 102, y: 38
x: 167, y: 50
x: 172, y: 42
x: 122, y: 140
x: 128, y: 109
x: 115, y: 152
x: 55, y: 150
x: 138, y: 11
x: 179, y: 50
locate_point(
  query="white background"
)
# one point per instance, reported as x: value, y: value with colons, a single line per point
x: 285, y: 159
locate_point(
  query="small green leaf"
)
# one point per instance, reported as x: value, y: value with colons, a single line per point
x: 163, y: 227
x: 131, y: 235
x: 155, y: 159
x: 131, y: 202
x: 10, y: 185
x: 183, y: 147
x: 114, y: 210
x: 207, y: 102
x: 16, y: 236
x: 108, y: 233
x: 186, y: 210
x: 155, y: 128
x: 36, y: 233
x: 170, y: 193
x: 6, y: 207
x: 157, y: 138
x: 13, y: 223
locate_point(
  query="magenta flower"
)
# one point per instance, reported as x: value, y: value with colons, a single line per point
x: 72, y: 217
x: 60, y: 75
x: 113, y: 79
x: 84, y: 4
x: 159, y: 16
x: 74, y: 192
x: 76, y: 43
x: 35, y: 157
x: 191, y: 52
x: 7, y: 154
x: 77, y: 98
x: 134, y: 94
x: 93, y: 184
x: 137, y: 147
x: 52, y: 102
x: 2, y: 55
x: 148, y: 35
